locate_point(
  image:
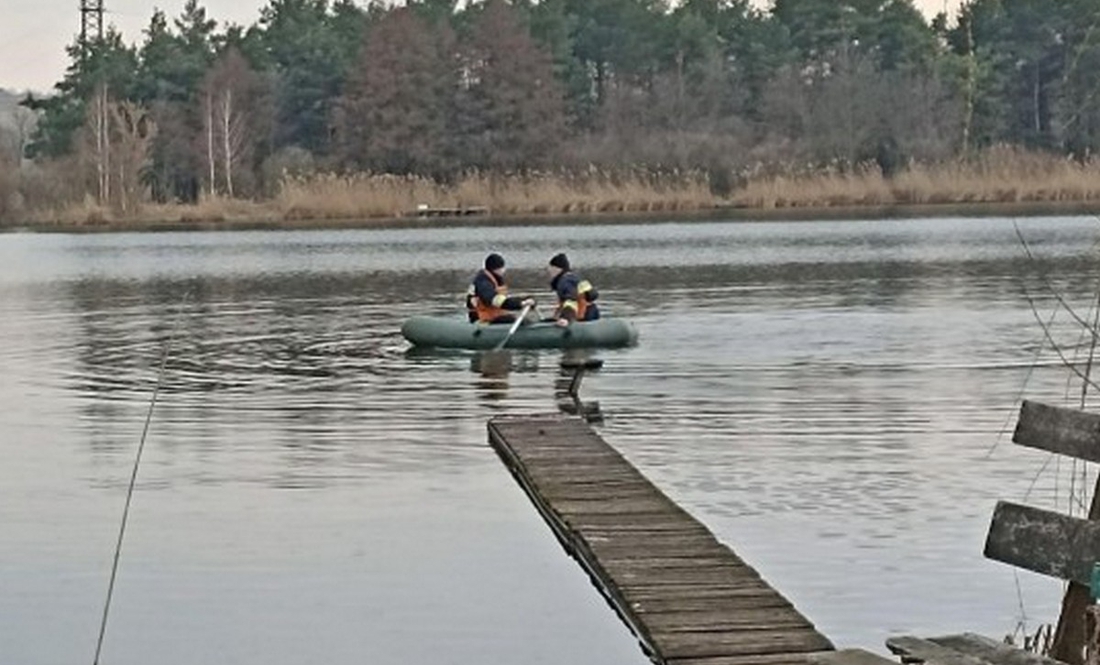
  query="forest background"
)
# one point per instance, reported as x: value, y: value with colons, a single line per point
x: 332, y: 109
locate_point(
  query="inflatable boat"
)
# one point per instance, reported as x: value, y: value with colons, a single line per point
x: 452, y: 333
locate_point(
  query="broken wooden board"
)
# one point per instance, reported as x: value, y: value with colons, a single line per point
x: 1044, y: 542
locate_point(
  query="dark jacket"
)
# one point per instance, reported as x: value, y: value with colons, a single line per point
x: 490, y: 294
x: 576, y: 297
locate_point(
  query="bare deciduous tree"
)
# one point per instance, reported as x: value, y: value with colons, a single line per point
x: 15, y: 132
x: 9, y: 173
x: 229, y: 95
x: 511, y: 108
x: 395, y: 112
x: 132, y: 132
x: 117, y: 141
x: 847, y: 112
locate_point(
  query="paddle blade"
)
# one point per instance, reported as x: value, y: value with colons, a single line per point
x: 515, y: 326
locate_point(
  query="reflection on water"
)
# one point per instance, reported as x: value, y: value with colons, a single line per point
x: 827, y: 397
x: 500, y: 363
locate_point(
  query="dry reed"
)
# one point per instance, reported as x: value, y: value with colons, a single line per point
x: 368, y: 196
x: 89, y: 213
x: 211, y: 209
x: 1002, y: 175
x: 83, y: 213
x: 999, y: 175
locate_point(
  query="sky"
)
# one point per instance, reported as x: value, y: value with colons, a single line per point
x: 34, y: 33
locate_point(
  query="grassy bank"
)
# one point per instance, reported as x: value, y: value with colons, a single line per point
x: 998, y: 181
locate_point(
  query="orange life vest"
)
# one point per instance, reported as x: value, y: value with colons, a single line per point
x: 487, y: 312
x: 580, y: 305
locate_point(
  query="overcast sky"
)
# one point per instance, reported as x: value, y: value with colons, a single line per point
x: 34, y: 33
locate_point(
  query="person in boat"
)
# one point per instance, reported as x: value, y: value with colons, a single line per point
x: 487, y: 299
x: 576, y: 296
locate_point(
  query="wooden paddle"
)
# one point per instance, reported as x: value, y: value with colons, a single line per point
x: 515, y: 326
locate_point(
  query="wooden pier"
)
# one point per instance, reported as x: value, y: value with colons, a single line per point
x: 689, y: 599
x: 463, y: 211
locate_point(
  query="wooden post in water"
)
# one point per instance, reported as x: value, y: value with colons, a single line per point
x: 1048, y: 543
x: 1070, y: 635
x: 570, y: 401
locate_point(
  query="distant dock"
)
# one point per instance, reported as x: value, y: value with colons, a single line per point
x: 689, y: 599
x: 463, y: 211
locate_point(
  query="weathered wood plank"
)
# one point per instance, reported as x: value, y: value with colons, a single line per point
x: 700, y: 585
x: 564, y: 467
x: 564, y: 492
x: 918, y: 650
x: 694, y: 622
x: 688, y: 598
x: 628, y: 551
x: 849, y: 657
x: 589, y: 488
x: 740, y: 642
x: 640, y: 529
x: 1058, y: 430
x: 752, y: 659
x: 675, y: 564
x: 695, y: 542
x: 991, y: 650
x: 1043, y: 541
x: 661, y: 521
x: 590, y: 491
x: 683, y: 576
x: 731, y: 605
x: 695, y: 592
x: 624, y: 507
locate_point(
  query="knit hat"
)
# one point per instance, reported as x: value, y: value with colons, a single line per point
x: 560, y: 261
x: 494, y: 262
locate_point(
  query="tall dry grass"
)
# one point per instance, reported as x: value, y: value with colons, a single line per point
x: 216, y: 209
x: 330, y: 196
x: 213, y: 208
x: 368, y: 196
x: 999, y: 175
x: 82, y: 213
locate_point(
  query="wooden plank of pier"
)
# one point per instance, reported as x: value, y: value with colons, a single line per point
x: 961, y: 649
x: 689, y: 599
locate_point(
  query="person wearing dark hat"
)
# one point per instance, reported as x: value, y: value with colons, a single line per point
x: 576, y: 296
x: 487, y: 299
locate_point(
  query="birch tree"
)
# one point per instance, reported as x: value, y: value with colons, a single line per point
x: 229, y: 93
x: 99, y: 142
x: 118, y: 135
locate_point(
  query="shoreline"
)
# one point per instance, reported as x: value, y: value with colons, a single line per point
x: 869, y: 212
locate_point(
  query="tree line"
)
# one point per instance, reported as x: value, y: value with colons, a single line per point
x: 499, y: 86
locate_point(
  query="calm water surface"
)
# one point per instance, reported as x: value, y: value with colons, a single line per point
x: 828, y: 398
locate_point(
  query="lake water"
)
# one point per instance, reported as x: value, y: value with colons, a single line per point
x: 829, y: 398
